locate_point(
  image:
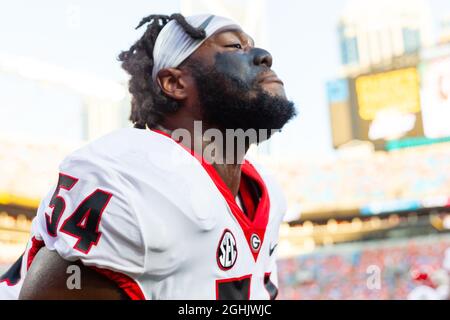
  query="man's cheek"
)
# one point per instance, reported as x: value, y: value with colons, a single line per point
x: 235, y: 66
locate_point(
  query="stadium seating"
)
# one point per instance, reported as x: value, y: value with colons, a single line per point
x: 341, y: 272
x: 343, y: 183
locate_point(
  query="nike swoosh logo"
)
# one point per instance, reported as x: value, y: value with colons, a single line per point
x: 272, y: 249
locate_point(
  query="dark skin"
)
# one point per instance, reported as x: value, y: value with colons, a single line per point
x: 231, y: 51
x: 46, y: 280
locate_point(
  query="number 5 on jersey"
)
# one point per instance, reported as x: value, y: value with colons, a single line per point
x: 84, y: 222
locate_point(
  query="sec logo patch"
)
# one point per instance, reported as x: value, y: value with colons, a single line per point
x: 227, y: 251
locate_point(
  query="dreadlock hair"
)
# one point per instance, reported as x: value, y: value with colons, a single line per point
x: 149, y: 105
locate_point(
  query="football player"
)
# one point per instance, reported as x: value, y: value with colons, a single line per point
x: 146, y: 212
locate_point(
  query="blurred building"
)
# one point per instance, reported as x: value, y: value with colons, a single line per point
x: 375, y: 32
x: 444, y: 36
x: 391, y: 90
x: 79, y: 106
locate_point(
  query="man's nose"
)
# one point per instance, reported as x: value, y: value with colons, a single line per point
x: 262, y: 56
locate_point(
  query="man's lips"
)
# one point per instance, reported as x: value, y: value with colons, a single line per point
x: 270, y: 77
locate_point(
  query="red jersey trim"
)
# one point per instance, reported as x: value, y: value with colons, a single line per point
x: 36, y: 245
x: 258, y: 224
x: 127, y: 284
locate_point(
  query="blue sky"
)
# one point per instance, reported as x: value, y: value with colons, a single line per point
x: 302, y: 39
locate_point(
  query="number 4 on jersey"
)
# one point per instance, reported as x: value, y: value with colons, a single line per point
x: 83, y: 223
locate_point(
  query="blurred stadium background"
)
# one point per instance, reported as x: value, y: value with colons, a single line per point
x: 376, y: 203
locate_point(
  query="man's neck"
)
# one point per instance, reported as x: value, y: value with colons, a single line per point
x: 228, y: 169
x: 231, y: 175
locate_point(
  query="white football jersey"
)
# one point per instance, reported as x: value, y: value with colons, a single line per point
x: 136, y: 206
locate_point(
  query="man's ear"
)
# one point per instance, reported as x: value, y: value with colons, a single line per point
x: 172, y: 83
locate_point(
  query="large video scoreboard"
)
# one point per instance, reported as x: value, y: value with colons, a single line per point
x: 376, y: 107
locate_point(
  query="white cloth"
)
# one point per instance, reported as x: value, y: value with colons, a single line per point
x: 173, y: 45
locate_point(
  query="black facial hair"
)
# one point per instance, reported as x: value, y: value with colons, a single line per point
x: 230, y: 103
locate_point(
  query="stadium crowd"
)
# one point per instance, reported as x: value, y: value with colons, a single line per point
x: 343, y: 271
x: 342, y: 183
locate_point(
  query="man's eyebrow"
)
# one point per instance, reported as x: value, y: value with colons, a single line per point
x: 244, y: 36
x: 250, y: 39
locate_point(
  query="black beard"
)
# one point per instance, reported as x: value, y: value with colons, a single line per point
x: 230, y: 103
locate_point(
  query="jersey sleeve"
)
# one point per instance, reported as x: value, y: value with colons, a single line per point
x: 90, y: 217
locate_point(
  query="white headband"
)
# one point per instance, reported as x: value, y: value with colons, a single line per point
x: 173, y: 45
